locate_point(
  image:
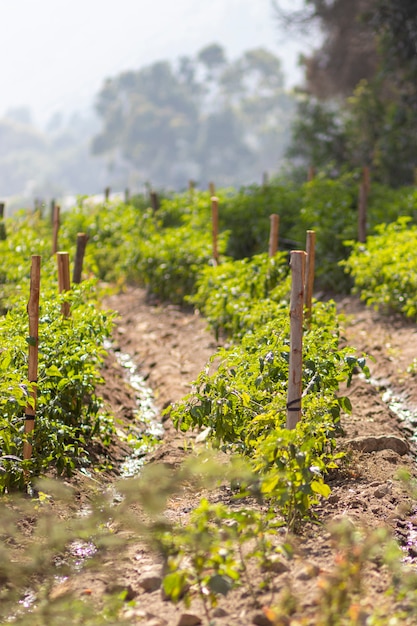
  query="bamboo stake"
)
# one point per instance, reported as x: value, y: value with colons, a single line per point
x: 127, y: 195
x: 215, y: 227
x: 107, y: 194
x: 82, y: 239
x: 212, y: 189
x: 273, y: 234
x: 296, y: 338
x: 57, y: 211
x: 63, y: 279
x: 309, y: 283
x: 311, y: 174
x: 33, y: 314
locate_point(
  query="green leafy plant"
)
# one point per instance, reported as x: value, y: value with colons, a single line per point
x: 383, y: 268
x: 69, y: 412
x: 236, y: 296
x: 242, y: 405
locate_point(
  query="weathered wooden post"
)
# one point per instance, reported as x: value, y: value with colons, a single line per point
x: 295, y: 379
x: 154, y: 201
x: 364, y: 189
x: 33, y: 314
x: 3, y: 235
x: 273, y: 234
x: 38, y: 205
x: 215, y: 227
x: 63, y: 279
x: 55, y: 228
x: 311, y: 174
x: 191, y: 189
x: 310, y: 261
x: 82, y: 239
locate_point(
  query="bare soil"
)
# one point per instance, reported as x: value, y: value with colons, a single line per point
x: 171, y: 346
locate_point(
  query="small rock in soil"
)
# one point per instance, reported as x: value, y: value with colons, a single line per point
x: 382, y: 490
x: 150, y: 582
x: 308, y: 571
x: 260, y: 619
x: 189, y: 619
x: 383, y: 442
x: 275, y: 565
x: 219, y: 612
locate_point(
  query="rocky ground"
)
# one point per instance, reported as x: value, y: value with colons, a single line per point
x: 170, y: 346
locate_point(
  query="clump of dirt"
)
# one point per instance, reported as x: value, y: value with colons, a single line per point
x: 171, y: 346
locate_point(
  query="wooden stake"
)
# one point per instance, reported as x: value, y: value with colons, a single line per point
x: 364, y: 190
x: 55, y: 232
x: 107, y: 194
x: 82, y: 239
x: 366, y: 178
x: 215, y: 227
x: 33, y: 314
x: 212, y: 189
x: 273, y: 234
x: 38, y: 205
x: 154, y: 201
x: 127, y: 195
x: 311, y: 173
x: 63, y: 279
x: 309, y: 283
x: 298, y: 258
x: 3, y: 235
x: 362, y: 206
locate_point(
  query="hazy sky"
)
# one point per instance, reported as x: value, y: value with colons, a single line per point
x: 55, y: 54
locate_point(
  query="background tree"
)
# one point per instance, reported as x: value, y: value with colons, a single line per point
x: 204, y: 118
x: 361, y: 82
x: 50, y: 162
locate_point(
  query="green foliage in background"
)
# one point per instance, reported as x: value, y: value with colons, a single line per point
x: 168, y: 250
x: 246, y: 215
x: 237, y: 295
x: 158, y: 123
x: 385, y: 268
x: 163, y: 250
x: 26, y: 235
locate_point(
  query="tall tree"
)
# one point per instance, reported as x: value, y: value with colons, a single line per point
x: 362, y: 82
x: 348, y: 45
x: 204, y: 117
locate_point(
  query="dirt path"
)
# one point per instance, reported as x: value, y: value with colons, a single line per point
x: 171, y: 347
